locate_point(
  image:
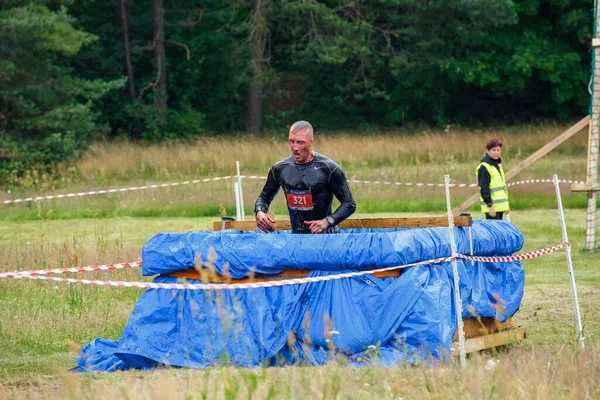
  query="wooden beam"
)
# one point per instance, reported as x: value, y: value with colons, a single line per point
x: 530, y: 160
x: 406, y: 222
x: 474, y: 327
x: 584, y: 187
x: 593, y: 139
x: 493, y: 340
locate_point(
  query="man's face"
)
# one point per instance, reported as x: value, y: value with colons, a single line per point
x: 301, y: 146
x: 494, y: 152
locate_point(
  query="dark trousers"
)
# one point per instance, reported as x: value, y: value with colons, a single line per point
x: 498, y: 215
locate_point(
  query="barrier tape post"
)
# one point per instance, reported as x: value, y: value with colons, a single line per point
x: 561, y: 215
x: 240, y: 193
x: 236, y: 189
x: 457, y: 300
x: 507, y: 214
x: 471, y: 244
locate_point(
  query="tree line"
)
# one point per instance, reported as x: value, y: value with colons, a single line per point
x: 72, y: 71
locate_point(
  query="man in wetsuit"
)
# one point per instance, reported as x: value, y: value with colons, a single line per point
x: 309, y: 181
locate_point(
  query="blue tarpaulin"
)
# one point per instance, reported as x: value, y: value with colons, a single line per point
x: 391, y: 320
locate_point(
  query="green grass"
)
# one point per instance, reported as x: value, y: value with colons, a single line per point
x: 402, y: 156
x: 81, y: 313
x: 207, y: 201
x: 40, y: 321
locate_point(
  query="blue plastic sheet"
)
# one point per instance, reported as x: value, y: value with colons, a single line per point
x: 365, y: 319
x: 357, y: 249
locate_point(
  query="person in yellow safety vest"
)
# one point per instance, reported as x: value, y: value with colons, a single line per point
x: 492, y: 185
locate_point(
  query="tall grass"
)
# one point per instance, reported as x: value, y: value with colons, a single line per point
x: 526, y: 373
x: 381, y: 154
x: 402, y: 154
x: 423, y: 156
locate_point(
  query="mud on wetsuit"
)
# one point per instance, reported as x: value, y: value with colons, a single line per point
x: 309, y: 189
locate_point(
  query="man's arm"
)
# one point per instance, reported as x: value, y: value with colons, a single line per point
x: 340, y: 189
x: 267, y: 195
x: 261, y: 207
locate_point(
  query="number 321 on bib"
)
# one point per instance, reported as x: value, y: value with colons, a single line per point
x: 300, y: 201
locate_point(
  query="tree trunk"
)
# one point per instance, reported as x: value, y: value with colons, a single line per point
x: 254, y: 122
x: 158, y: 30
x: 128, y: 64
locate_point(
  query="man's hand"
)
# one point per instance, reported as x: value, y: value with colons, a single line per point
x: 264, y: 222
x: 318, y: 226
x: 492, y: 211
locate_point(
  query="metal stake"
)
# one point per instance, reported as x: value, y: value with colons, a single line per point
x: 561, y: 215
x: 457, y: 299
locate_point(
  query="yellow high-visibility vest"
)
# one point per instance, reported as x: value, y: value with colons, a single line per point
x: 497, y: 189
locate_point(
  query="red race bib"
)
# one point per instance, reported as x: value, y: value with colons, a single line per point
x: 299, y: 200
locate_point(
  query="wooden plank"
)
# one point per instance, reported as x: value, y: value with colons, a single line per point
x: 530, y: 160
x: 584, y: 187
x: 474, y: 327
x: 493, y: 340
x: 406, y: 222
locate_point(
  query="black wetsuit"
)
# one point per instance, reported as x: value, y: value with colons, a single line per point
x: 309, y: 190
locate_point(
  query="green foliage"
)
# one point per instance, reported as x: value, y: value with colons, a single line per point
x: 346, y: 63
x: 188, y: 122
x: 541, y: 64
x: 47, y: 110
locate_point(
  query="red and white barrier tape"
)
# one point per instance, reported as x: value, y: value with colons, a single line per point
x: 518, y: 257
x: 412, y: 183
x: 259, y: 177
x: 528, y: 181
x: 119, y: 190
x: 252, y: 285
x: 228, y: 286
x: 523, y: 182
x: 105, y: 267
x: 390, y: 183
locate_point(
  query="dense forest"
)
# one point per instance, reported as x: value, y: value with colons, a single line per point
x: 74, y: 71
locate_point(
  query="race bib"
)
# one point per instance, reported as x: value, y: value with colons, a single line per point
x: 299, y: 200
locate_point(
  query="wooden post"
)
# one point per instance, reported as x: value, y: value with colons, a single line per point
x: 531, y: 159
x: 593, y: 141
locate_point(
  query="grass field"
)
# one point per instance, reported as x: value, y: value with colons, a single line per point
x: 41, y: 323
x: 422, y: 156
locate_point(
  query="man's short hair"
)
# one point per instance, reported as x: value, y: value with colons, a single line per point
x: 301, y: 126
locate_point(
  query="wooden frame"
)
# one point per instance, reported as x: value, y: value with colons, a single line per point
x: 585, y: 187
x: 406, y: 222
x: 493, y: 340
x: 487, y: 333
